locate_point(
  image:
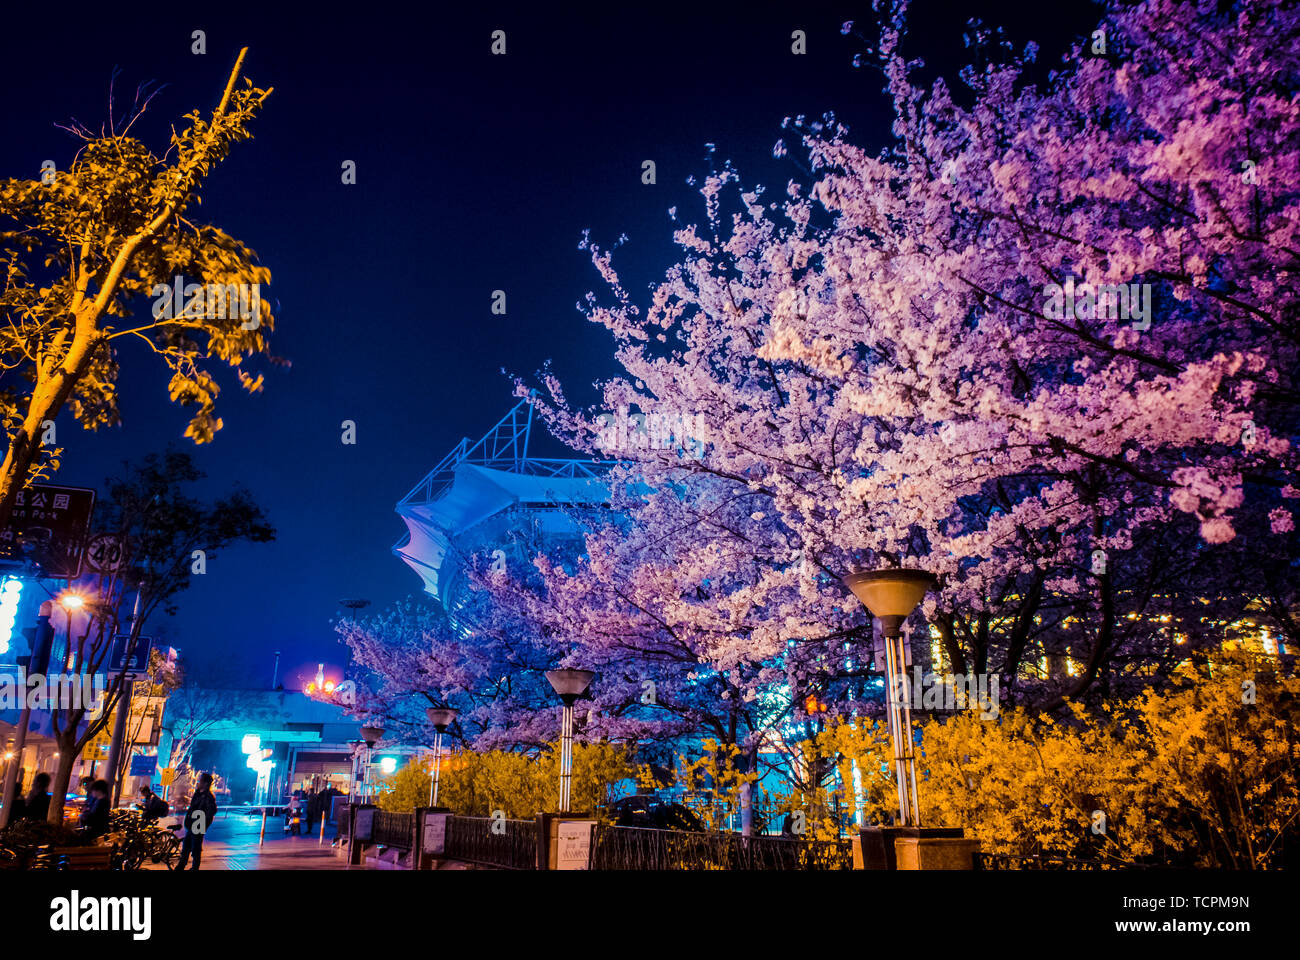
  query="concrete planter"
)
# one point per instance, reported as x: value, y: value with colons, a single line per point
x: 877, y: 848
x: 935, y: 853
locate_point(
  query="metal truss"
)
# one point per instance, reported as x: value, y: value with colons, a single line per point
x: 504, y: 447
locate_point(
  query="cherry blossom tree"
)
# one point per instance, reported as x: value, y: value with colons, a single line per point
x: 1043, y: 344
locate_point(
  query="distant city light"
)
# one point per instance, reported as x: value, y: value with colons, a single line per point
x: 251, y: 743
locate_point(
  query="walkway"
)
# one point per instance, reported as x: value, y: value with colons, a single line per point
x: 231, y: 844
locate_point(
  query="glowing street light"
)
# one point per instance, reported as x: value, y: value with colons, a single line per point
x: 570, y: 685
x: 371, y: 735
x: 441, y: 718
x: 70, y: 601
x: 891, y: 596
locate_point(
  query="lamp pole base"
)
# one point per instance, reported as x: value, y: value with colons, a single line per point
x: 914, y: 848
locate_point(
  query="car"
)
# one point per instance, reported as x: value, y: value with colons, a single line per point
x: 648, y: 810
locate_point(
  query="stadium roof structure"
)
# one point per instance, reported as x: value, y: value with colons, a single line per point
x: 472, y: 498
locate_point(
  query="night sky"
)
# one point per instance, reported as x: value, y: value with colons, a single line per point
x: 474, y: 173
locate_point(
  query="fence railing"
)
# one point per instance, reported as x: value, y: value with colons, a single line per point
x: 513, y: 845
x: 1008, y: 861
x: 394, y: 829
x: 642, y: 848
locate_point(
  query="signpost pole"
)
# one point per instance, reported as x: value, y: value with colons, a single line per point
x: 119, y: 734
x: 123, y: 707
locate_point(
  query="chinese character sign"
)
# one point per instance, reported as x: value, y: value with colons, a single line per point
x: 48, y: 529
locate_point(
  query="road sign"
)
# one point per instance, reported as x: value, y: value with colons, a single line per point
x: 48, y: 527
x: 104, y: 553
x: 166, y: 776
x: 138, y: 668
x: 143, y: 766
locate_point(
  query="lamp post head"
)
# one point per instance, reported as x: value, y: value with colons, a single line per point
x: 890, y: 595
x: 440, y: 717
x: 569, y: 684
x: 372, y: 734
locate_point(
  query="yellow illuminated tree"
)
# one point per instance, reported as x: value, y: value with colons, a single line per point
x: 520, y: 784
x: 79, y: 246
x: 1202, y: 772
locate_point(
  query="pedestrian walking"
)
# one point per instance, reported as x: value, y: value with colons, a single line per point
x: 20, y: 805
x: 198, y: 818
x: 94, y: 815
x: 37, y: 805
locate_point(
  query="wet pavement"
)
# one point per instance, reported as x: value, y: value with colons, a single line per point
x: 232, y: 843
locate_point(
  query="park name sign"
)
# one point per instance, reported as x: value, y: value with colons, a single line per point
x: 48, y: 528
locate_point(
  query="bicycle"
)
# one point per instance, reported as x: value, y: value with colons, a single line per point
x: 138, y: 841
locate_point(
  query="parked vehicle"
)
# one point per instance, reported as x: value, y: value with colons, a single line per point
x: 648, y: 810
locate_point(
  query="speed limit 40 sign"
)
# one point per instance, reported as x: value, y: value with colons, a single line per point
x: 104, y: 553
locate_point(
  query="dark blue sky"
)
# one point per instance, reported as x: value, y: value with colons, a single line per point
x: 474, y: 173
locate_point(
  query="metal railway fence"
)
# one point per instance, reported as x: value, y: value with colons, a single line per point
x: 1007, y: 861
x: 508, y: 844
x: 394, y: 829
x: 513, y: 845
x: 641, y: 848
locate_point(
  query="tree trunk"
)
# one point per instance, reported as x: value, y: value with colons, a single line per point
x: 62, y: 777
x: 51, y: 393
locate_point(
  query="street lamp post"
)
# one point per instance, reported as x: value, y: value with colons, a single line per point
x: 570, y: 685
x: 441, y: 718
x: 891, y: 596
x: 371, y: 735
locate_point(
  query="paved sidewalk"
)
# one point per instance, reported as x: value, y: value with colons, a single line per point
x: 231, y: 844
